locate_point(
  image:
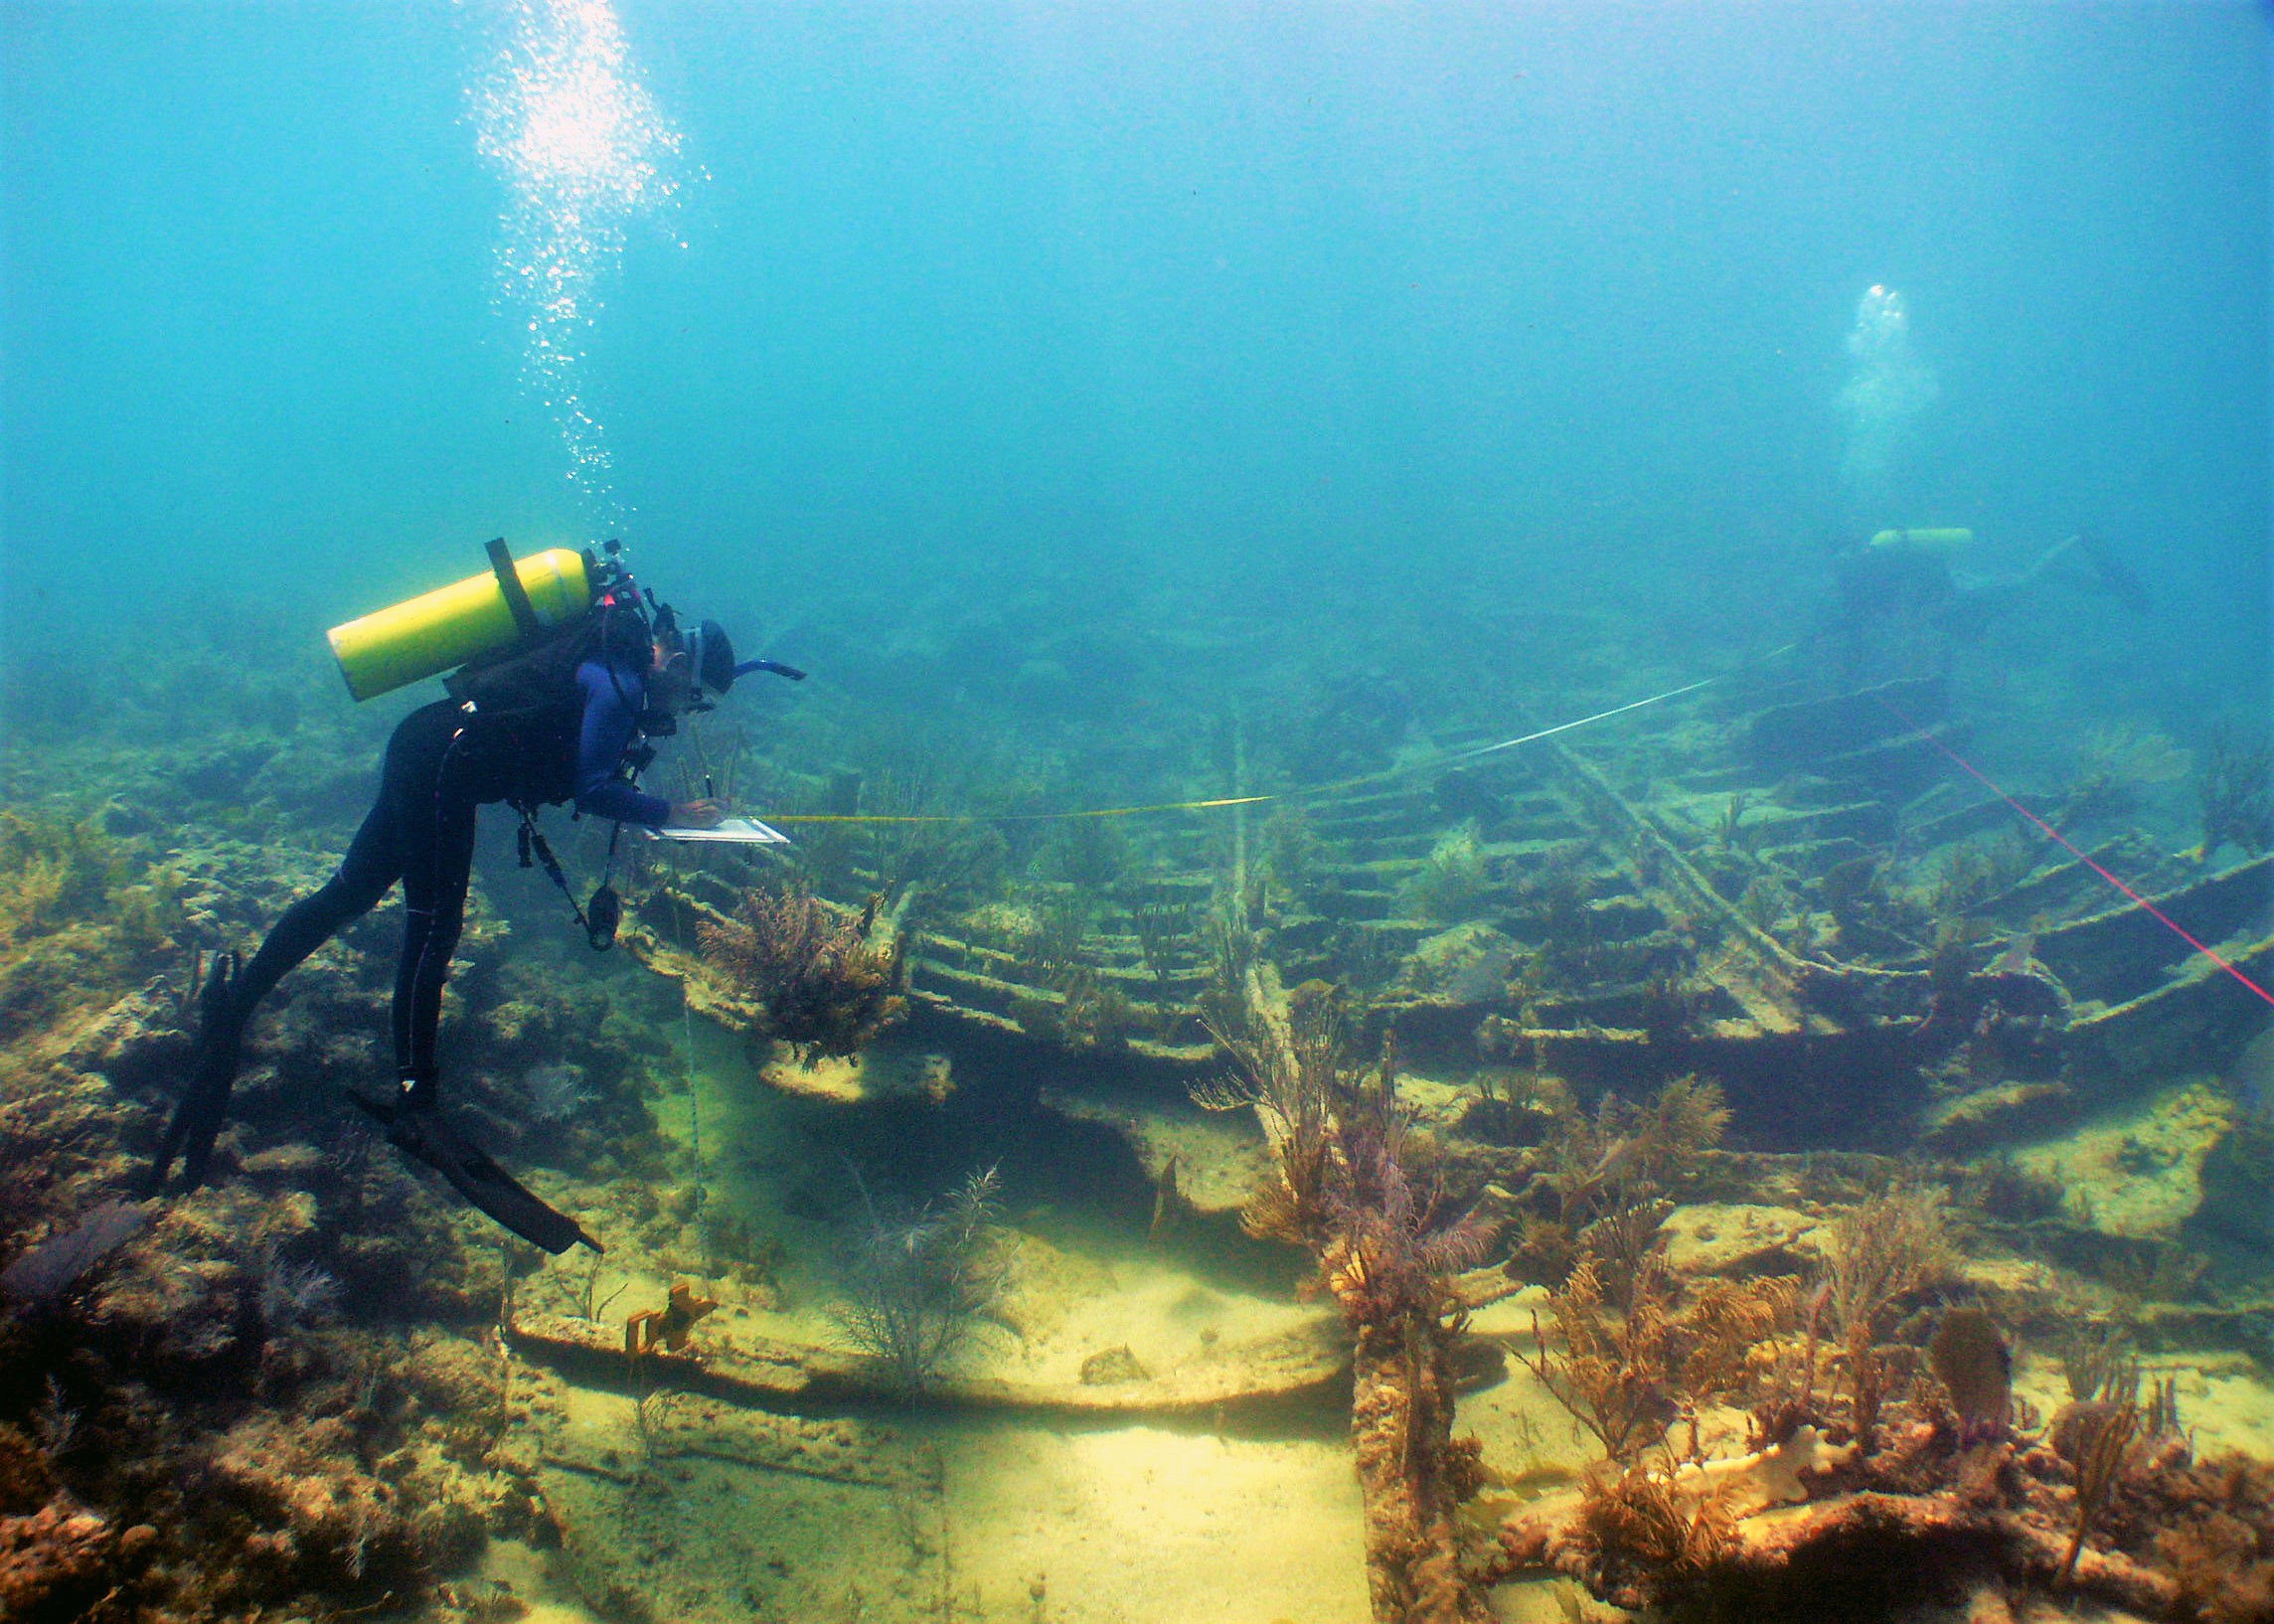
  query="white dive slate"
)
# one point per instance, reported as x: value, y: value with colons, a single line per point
x: 734, y: 831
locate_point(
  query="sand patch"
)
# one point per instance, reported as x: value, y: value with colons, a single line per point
x: 2138, y: 1173
x: 1138, y: 1525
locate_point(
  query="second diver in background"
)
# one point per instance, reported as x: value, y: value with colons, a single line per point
x: 1901, y: 604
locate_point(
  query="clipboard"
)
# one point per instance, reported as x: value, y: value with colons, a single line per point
x: 731, y: 832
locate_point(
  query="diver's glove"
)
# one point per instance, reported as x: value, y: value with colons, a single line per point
x: 416, y: 1129
x: 204, y: 1105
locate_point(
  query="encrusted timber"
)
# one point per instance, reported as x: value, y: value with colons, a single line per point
x: 1771, y: 982
x: 1857, y: 1552
x: 2125, y: 951
x: 2172, y: 1007
x: 1803, y: 732
x: 988, y: 1003
x: 837, y: 1450
x: 1863, y: 1091
x: 1870, y: 1544
x: 1297, y: 1369
x: 1676, y: 876
x: 1880, y: 741
x: 2068, y: 890
x: 2200, y: 1016
x: 2238, y: 1326
x: 985, y: 1041
x: 663, y: 940
x: 698, y: 896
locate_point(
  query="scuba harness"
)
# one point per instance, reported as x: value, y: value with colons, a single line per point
x: 521, y: 702
x: 524, y: 683
x: 521, y: 690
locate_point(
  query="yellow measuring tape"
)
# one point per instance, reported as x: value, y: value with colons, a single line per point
x: 1015, y: 817
x: 1311, y: 792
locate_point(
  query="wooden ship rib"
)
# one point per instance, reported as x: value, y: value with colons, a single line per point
x: 1716, y: 901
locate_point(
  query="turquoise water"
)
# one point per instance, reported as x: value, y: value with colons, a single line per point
x: 930, y: 295
x: 1269, y: 426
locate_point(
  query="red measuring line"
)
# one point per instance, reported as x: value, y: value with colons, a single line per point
x: 2163, y: 919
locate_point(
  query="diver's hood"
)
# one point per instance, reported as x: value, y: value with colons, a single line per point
x: 711, y: 657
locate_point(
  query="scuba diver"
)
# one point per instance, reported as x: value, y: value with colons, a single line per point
x: 1898, y: 599
x: 559, y: 716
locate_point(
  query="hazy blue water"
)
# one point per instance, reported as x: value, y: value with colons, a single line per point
x: 1558, y: 293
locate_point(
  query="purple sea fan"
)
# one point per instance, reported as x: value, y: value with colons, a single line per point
x: 1395, y: 1245
x: 43, y: 1273
x: 1975, y: 1368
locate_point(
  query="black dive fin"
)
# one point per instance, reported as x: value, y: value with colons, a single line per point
x: 485, y: 1185
x: 204, y: 1105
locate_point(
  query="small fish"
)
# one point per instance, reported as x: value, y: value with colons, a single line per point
x: 2015, y: 959
x: 2251, y: 1079
x: 1166, y: 1199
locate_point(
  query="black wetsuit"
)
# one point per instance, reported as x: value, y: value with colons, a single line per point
x: 443, y: 762
x: 1896, y: 612
x: 441, y: 765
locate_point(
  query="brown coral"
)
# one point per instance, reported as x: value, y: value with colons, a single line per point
x: 1617, y: 1372
x: 826, y: 988
x: 1366, y: 1199
x: 1289, y: 1073
x: 1608, y: 1177
x: 53, y: 1562
x: 2097, y: 1440
x: 1650, y: 1534
x: 1883, y: 1250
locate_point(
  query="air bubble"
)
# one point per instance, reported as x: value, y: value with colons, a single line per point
x: 583, y: 152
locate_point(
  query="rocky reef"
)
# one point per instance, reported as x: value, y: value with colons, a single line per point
x: 1715, y: 1173
x: 284, y: 1391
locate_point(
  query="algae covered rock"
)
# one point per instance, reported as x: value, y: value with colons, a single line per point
x: 1112, y: 1366
x: 1736, y: 1239
x: 323, y: 1519
x: 1467, y: 964
x: 136, y: 1041
x: 54, y: 1563
x: 452, y: 1374
x: 2003, y: 1112
x: 26, y: 1483
x: 2138, y: 1173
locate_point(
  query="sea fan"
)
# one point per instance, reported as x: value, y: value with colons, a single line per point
x: 294, y: 1295
x: 556, y: 1092
x: 1976, y: 1369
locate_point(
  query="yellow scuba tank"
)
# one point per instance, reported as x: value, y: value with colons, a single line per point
x: 426, y: 635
